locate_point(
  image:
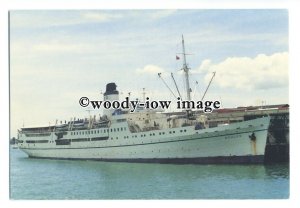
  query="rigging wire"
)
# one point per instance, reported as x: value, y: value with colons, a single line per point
x: 214, y: 73
x: 159, y: 75
x: 176, y: 86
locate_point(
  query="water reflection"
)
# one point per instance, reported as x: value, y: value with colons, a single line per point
x: 278, y: 171
x: 63, y: 179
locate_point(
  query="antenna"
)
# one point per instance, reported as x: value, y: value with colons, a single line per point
x: 144, y: 93
x: 196, y: 83
x: 89, y: 110
x: 129, y: 93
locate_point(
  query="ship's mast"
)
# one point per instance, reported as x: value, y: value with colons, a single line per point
x: 186, y: 72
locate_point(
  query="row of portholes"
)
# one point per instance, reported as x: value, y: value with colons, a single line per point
x: 97, y: 131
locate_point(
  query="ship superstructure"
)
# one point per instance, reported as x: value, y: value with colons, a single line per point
x: 148, y: 136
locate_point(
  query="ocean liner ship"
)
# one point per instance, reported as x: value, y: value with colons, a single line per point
x: 148, y: 136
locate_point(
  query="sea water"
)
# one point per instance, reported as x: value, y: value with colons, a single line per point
x: 66, y: 179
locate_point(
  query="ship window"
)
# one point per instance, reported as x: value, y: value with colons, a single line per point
x: 114, y: 130
x: 121, y: 128
x: 180, y: 130
x: 103, y: 130
x: 118, y: 129
x: 110, y: 130
x: 141, y: 135
x: 170, y: 132
x: 99, y: 138
x: 150, y: 134
x: 173, y: 131
x: 98, y: 131
x: 184, y: 130
x: 71, y: 133
x: 159, y: 133
x: 80, y: 140
x: 153, y: 134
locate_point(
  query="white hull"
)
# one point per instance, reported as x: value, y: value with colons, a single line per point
x: 185, y: 144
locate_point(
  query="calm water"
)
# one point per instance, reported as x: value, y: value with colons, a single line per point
x: 58, y: 179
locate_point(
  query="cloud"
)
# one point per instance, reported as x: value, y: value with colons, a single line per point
x: 100, y: 16
x: 61, y: 47
x: 204, y: 67
x: 150, y: 69
x: 57, y: 18
x: 42, y: 19
x: 161, y: 14
x: 261, y: 72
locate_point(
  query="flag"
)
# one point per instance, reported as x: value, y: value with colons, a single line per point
x: 177, y: 57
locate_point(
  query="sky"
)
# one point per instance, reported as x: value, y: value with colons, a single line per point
x: 58, y: 56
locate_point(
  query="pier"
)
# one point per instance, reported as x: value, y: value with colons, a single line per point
x: 277, y: 148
